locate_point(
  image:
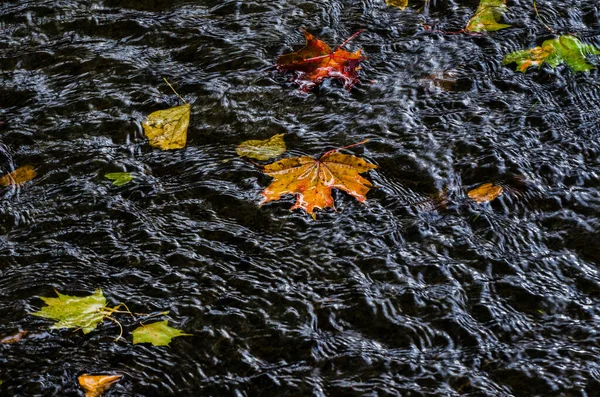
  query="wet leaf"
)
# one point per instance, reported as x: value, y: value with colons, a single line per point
x: 312, y: 180
x: 563, y: 49
x: 485, y: 193
x: 119, y: 178
x: 262, y: 150
x: 401, y: 4
x: 487, y: 16
x: 167, y: 129
x: 95, y: 385
x: 445, y: 79
x: 74, y: 312
x: 159, y: 333
x: 20, y: 175
x: 317, y: 61
x: 18, y: 337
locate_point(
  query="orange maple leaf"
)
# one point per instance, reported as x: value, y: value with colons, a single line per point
x: 316, y: 61
x: 312, y: 180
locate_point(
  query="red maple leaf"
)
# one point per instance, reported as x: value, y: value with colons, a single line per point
x: 316, y: 62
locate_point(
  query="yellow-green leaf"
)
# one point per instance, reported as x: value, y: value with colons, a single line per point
x: 20, y: 175
x: 119, y: 178
x: 74, y: 312
x: 487, y: 16
x: 167, y: 129
x: 262, y: 150
x: 159, y: 333
x: 95, y: 385
x: 401, y: 4
x: 563, y: 49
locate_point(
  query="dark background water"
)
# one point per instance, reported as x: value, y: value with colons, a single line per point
x: 395, y: 297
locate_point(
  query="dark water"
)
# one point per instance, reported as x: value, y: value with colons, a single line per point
x: 396, y: 297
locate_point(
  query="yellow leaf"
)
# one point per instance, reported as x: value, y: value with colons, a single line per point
x: 401, y: 4
x: 95, y: 385
x: 167, y: 129
x: 20, y: 175
x: 262, y: 150
x: 312, y: 180
x: 485, y: 193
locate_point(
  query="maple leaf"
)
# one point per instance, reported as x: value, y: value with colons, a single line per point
x: 563, y: 49
x: 316, y: 62
x: 167, y: 129
x: 487, y: 16
x: 20, y: 175
x: 485, y: 193
x: 95, y: 385
x: 159, y: 333
x: 75, y: 312
x: 312, y: 180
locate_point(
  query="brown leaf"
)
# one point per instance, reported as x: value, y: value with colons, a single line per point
x: 317, y: 61
x: 312, y: 180
x: 20, y: 175
x: 13, y: 338
x: 485, y: 193
x: 95, y: 385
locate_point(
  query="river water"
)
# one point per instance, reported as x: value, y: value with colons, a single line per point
x: 409, y: 294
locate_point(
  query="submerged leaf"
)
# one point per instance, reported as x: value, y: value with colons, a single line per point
x: 119, y: 178
x: 485, y: 193
x: 20, y: 175
x: 74, y: 312
x: 563, y: 49
x: 487, y: 16
x: 312, y: 180
x: 159, y: 333
x: 18, y: 337
x: 95, y: 385
x: 401, y: 4
x: 262, y: 150
x: 167, y: 129
x: 316, y: 62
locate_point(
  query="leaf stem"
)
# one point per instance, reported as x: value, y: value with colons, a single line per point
x: 176, y: 93
x: 540, y: 19
x: 345, y: 147
x: 349, y: 39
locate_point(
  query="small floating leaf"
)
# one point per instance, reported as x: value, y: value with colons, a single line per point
x: 74, y: 312
x: 95, y: 385
x: 14, y: 338
x: 20, y: 175
x: 485, y: 193
x: 262, y: 150
x: 487, y: 16
x: 119, y: 178
x: 563, y: 49
x: 401, y: 4
x: 167, y: 129
x: 159, y: 333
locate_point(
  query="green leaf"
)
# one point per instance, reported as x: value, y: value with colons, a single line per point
x: 487, y: 16
x: 74, y: 312
x: 262, y: 150
x: 167, y: 129
x: 159, y: 334
x: 563, y: 49
x: 119, y: 178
